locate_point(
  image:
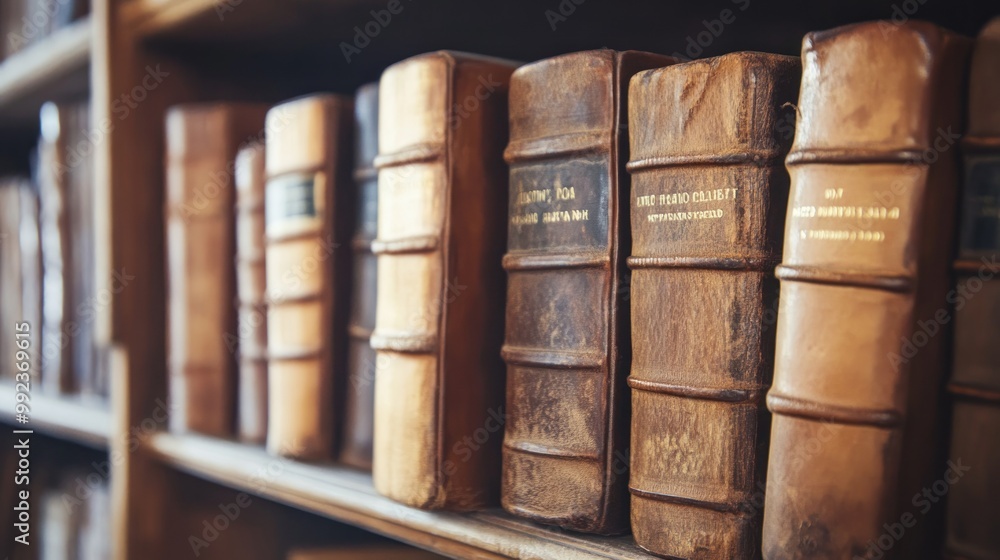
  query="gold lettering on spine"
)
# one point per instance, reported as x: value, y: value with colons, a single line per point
x: 858, y: 217
x: 687, y: 197
x: 558, y: 193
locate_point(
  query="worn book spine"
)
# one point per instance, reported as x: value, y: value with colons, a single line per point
x: 309, y: 219
x: 856, y: 427
x: 55, y: 212
x: 709, y: 192
x: 359, y: 395
x: 565, y: 455
x: 80, y: 176
x: 202, y: 141
x: 251, y: 331
x: 439, y: 320
x: 975, y: 378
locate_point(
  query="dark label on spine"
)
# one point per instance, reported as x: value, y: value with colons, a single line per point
x: 980, y: 229
x: 291, y: 196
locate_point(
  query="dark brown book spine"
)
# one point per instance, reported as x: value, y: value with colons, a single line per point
x: 708, y: 207
x: 975, y: 378
x: 202, y: 142
x: 251, y: 330
x: 565, y: 455
x: 856, y: 429
x: 359, y: 395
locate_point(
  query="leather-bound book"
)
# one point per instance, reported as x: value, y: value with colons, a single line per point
x: 565, y: 453
x: 202, y: 141
x: 309, y: 213
x: 54, y: 175
x: 868, y: 243
x: 709, y: 192
x: 359, y: 395
x: 251, y: 330
x: 975, y: 379
x: 439, y: 320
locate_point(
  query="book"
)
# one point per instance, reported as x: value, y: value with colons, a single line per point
x: 309, y: 218
x: 565, y: 451
x: 439, y: 316
x: 58, y: 169
x: 359, y: 394
x: 201, y: 145
x: 868, y: 240
x: 975, y: 377
x: 251, y: 329
x: 20, y: 277
x: 709, y: 193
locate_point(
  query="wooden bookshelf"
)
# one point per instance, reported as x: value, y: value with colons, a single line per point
x: 272, y: 50
x: 53, y: 69
x: 347, y: 495
x: 76, y: 419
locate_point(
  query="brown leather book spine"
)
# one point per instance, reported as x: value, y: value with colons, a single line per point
x: 359, y: 395
x: 439, y: 319
x: 55, y: 223
x: 565, y: 455
x: 975, y: 378
x: 709, y: 193
x: 868, y: 241
x: 309, y: 219
x: 251, y: 330
x: 202, y: 141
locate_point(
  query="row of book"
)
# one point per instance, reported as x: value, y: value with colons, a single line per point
x: 556, y: 286
x: 68, y: 514
x: 26, y: 22
x: 47, y: 251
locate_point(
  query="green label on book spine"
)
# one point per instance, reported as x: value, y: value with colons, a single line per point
x: 981, y: 207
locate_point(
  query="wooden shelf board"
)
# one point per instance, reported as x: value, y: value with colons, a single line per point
x: 56, y: 68
x: 347, y: 495
x: 75, y: 419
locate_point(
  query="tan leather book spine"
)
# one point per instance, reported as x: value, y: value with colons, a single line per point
x: 868, y: 242
x: 975, y: 377
x: 359, y: 395
x: 439, y: 318
x: 709, y: 192
x: 565, y: 455
x: 309, y: 218
x: 251, y: 330
x: 202, y: 141
x: 55, y: 225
